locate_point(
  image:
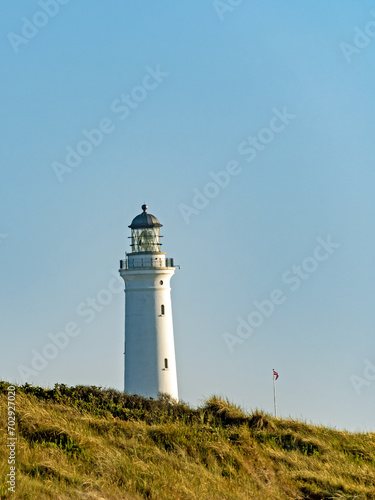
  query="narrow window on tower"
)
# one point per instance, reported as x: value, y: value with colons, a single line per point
x: 166, y: 363
x: 162, y: 309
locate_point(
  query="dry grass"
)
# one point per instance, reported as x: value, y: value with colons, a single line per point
x: 84, y: 443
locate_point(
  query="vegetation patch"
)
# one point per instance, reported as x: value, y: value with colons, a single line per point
x: 290, y: 442
x: 48, y: 436
x: 360, y: 455
x: 86, y: 442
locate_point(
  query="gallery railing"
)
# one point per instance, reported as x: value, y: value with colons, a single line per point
x: 146, y: 263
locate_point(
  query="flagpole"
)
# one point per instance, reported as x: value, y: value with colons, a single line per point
x: 274, y: 393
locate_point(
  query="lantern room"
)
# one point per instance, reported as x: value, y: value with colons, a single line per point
x: 145, y: 236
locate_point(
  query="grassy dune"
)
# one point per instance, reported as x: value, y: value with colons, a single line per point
x: 88, y: 443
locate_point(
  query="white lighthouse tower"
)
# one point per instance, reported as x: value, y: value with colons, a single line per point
x: 150, y: 362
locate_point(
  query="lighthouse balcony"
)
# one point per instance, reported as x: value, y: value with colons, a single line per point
x: 147, y: 262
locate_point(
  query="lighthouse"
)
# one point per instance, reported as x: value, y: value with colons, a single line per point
x: 150, y: 362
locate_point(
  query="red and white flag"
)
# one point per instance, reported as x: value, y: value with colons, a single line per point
x: 275, y: 374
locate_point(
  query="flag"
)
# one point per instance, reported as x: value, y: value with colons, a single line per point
x: 275, y: 374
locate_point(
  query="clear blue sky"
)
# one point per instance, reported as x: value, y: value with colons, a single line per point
x: 218, y: 77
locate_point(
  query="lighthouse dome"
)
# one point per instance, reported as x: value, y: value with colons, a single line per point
x: 145, y: 220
